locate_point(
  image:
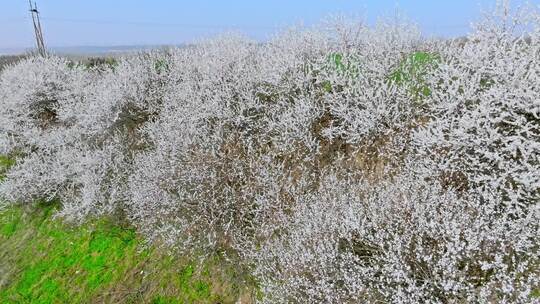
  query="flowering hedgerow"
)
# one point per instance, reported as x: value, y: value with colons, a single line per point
x: 342, y: 164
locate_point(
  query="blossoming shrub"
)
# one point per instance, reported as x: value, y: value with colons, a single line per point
x: 341, y: 164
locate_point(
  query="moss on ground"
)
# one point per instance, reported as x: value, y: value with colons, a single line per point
x: 43, y: 260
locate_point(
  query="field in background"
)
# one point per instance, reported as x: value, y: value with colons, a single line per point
x: 82, y: 59
x: 9, y: 59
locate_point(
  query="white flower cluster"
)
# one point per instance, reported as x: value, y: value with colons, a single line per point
x: 341, y: 164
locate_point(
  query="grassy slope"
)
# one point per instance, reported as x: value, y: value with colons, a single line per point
x: 45, y: 261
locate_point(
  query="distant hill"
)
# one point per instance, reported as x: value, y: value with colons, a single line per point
x: 88, y: 50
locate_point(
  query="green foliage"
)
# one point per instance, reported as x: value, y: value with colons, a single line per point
x: 161, y: 66
x: 94, y: 62
x: 412, y: 72
x: 327, y: 86
x: 347, y: 66
x: 336, y: 59
x: 5, y: 163
x: 43, y: 260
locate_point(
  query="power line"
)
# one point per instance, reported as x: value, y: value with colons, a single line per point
x: 161, y: 24
x: 200, y: 26
x: 209, y: 26
x: 451, y: 26
x: 15, y: 20
x: 35, y: 14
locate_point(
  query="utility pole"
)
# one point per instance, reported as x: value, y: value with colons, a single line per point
x: 37, y: 29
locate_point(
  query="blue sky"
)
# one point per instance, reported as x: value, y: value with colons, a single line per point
x: 123, y: 22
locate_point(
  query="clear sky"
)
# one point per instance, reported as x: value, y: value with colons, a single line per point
x: 137, y: 22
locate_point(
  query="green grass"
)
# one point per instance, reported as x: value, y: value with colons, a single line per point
x: 43, y: 260
x: 5, y: 163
